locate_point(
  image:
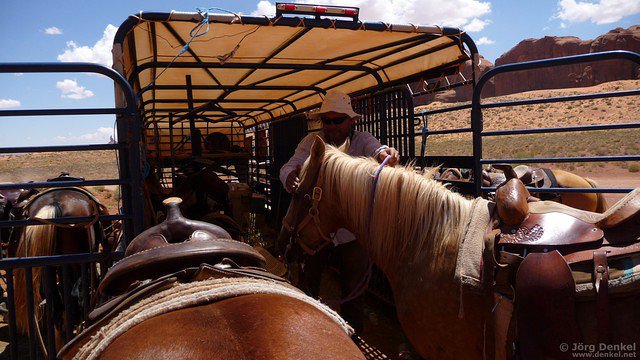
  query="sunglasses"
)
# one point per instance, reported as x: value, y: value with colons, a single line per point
x: 335, y: 121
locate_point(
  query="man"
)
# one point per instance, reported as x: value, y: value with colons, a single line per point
x: 338, y: 121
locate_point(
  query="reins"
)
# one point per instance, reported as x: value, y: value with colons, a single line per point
x: 376, y: 176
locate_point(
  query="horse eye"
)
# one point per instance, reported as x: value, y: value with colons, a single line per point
x: 307, y: 197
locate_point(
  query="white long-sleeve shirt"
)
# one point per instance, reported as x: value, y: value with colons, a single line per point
x: 362, y: 144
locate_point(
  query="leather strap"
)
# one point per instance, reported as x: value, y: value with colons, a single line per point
x: 601, y: 285
x: 312, y: 214
x: 611, y: 251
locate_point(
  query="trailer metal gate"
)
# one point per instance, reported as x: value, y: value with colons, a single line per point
x: 479, y: 134
x: 130, y: 215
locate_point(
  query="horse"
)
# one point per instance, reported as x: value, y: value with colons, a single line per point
x: 541, y: 178
x: 186, y: 290
x: 413, y: 226
x: 54, y: 238
x: 204, y: 194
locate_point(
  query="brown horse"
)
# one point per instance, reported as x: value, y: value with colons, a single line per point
x: 543, y: 178
x: 205, y: 297
x: 54, y: 238
x: 413, y: 229
x: 204, y: 194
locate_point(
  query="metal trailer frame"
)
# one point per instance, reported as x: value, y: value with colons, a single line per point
x: 196, y: 110
x: 128, y: 149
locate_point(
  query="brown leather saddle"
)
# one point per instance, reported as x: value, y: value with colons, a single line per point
x: 65, y: 176
x: 530, y: 176
x: 176, y: 251
x: 550, y: 256
x: 175, y: 244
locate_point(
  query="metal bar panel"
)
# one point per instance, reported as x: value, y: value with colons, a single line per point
x: 65, y: 220
x: 447, y: 109
x: 86, y: 284
x: 31, y: 149
x: 561, y: 159
x: 11, y: 307
x: 57, y: 112
x: 66, y: 296
x: 563, y: 129
x: 476, y: 113
x: 570, y: 190
x: 49, y: 286
x: 57, y: 260
x: 75, y: 67
x: 603, y: 95
x: 33, y: 338
x: 55, y: 184
x: 449, y: 131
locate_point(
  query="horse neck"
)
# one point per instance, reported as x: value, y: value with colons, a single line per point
x: 413, y: 219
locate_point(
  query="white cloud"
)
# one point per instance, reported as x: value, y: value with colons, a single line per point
x: 71, y: 90
x: 456, y: 13
x: 18, y: 74
x: 9, y: 103
x: 476, y: 25
x: 52, y: 31
x: 563, y: 25
x: 264, y: 7
x: 99, y: 53
x: 598, y: 12
x: 485, y: 41
x: 101, y: 136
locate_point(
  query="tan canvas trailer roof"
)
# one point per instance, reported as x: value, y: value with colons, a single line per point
x: 250, y: 70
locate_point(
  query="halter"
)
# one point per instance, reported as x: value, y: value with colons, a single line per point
x: 313, y: 213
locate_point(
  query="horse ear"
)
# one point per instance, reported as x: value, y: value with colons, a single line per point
x: 317, y: 150
x: 315, y: 160
x: 345, y: 146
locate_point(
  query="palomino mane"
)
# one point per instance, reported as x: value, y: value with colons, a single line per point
x: 414, y: 217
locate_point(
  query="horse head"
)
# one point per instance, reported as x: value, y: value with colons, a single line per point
x: 311, y: 216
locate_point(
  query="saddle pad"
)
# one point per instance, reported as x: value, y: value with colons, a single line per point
x: 624, y: 276
x: 469, y: 263
x: 188, y: 295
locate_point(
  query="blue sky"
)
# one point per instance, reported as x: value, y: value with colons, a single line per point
x: 82, y: 30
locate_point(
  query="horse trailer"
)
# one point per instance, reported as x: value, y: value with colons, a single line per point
x: 227, y: 94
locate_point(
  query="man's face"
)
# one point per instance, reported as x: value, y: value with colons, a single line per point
x: 337, y: 127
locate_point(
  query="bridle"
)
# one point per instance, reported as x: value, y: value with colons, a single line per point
x: 313, y: 214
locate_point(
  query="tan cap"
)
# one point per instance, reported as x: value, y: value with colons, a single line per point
x: 336, y: 101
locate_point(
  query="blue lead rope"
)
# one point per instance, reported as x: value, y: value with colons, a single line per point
x: 364, y: 282
x: 194, y: 33
x: 376, y: 176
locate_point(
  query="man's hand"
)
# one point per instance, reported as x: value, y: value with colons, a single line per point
x: 395, y: 156
x: 293, y: 181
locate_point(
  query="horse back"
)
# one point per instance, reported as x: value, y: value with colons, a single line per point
x: 259, y: 326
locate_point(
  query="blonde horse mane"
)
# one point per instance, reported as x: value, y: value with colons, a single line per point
x: 414, y: 217
x: 37, y: 240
